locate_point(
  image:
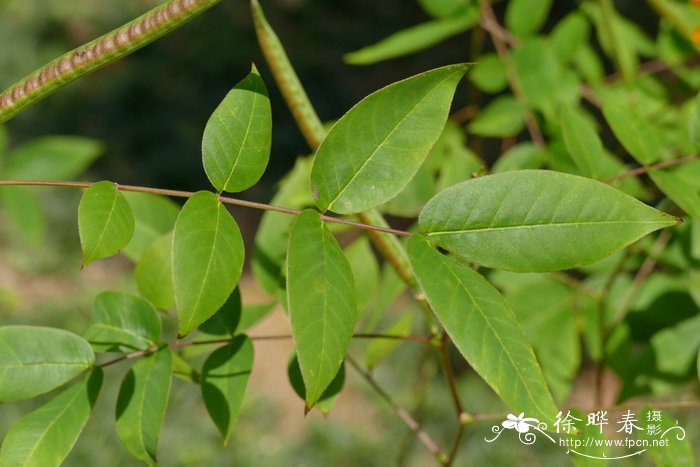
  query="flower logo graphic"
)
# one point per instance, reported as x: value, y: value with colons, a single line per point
x: 520, y: 423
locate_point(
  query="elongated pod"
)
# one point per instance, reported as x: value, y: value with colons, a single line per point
x: 98, y: 53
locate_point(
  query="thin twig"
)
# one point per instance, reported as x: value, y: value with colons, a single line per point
x: 411, y: 422
x: 490, y: 23
x: 189, y: 194
x: 644, y: 271
x: 657, y: 166
x: 456, y: 400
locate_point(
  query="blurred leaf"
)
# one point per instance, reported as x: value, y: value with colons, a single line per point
x: 526, y: 17
x: 391, y: 286
x: 183, y: 369
x: 681, y: 184
x: 143, y: 397
x: 535, y: 221
x: 443, y: 8
x: 52, y: 158
x: 25, y: 212
x: 322, y: 302
x: 105, y: 221
x: 379, y: 348
x: 587, y: 452
x: 122, y: 322
x: 502, y: 118
x: 224, y: 380
x: 544, y: 81
x: 399, y: 124
x: 272, y: 236
x: 413, y: 39
x: 365, y: 271
x: 694, y: 126
x: 545, y: 309
x: 238, y: 135
x: 45, y: 436
x: 4, y: 140
x: 459, y: 162
x: 34, y: 360
x: 569, y: 35
x: 676, y: 348
x: 253, y: 313
x: 208, y: 257
x: 155, y: 216
x: 154, y: 273
x: 678, y: 452
x: 330, y: 395
x: 589, y: 64
x: 582, y: 142
x: 635, y: 133
x: 523, y: 156
x: 225, y: 321
x: 470, y: 306
x: 489, y: 74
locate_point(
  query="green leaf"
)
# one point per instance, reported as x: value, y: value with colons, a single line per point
x: 502, y: 118
x: 24, y: 210
x: 399, y: 124
x: 483, y: 328
x: 490, y: 74
x: 322, y: 302
x: 694, y: 123
x: 238, y: 135
x: 365, y: 270
x: 105, y: 221
x: 681, y: 184
x: 225, y: 321
x: 154, y: 273
x: 546, y: 309
x: 635, y: 133
x: 253, y: 313
x: 45, y: 436
x: 122, y: 322
x: 443, y: 8
x: 35, y: 360
x: 569, y: 35
x: 52, y: 158
x: 582, y: 142
x: 679, y: 450
x: 536, y: 220
x: 155, y: 216
x: 143, y: 397
x: 545, y: 82
x: 330, y: 395
x: 525, y: 17
x: 523, y: 156
x: 675, y: 348
x: 224, y: 380
x: 413, y: 39
x: 272, y: 236
x: 208, y: 257
x: 379, y: 348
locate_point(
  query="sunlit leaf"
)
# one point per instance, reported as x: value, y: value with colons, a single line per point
x: 237, y: 138
x: 399, y: 124
x: 46, y: 435
x: 154, y: 273
x: 35, y: 360
x: 483, y: 328
x: 208, y: 256
x: 224, y: 380
x: 105, y: 221
x: 143, y: 397
x: 122, y: 322
x: 322, y: 302
x: 536, y: 220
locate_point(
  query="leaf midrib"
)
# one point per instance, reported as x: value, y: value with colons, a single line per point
x: 553, y: 224
x: 383, y: 141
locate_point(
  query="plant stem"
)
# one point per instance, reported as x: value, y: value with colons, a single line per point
x: 410, y: 422
x: 657, y: 166
x: 452, y: 385
x: 499, y: 36
x: 223, y: 199
x: 98, y: 53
